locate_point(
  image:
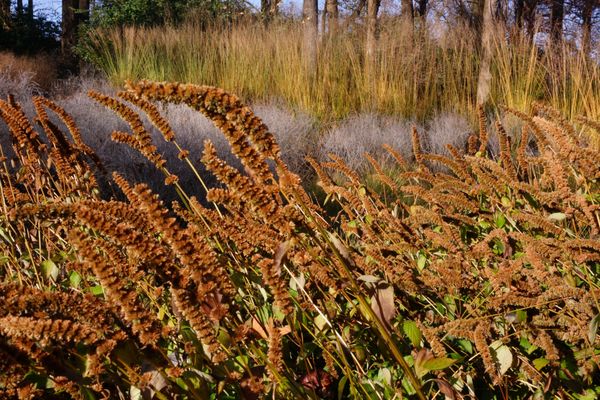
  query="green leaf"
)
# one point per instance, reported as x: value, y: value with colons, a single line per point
x: 97, y: 290
x: 436, y: 364
x: 502, y: 355
x: 342, y: 386
x: 500, y: 220
x: 74, y: 279
x: 540, y: 363
x: 49, y: 269
x: 593, y: 328
x: 411, y: 330
x: 421, y: 262
x: 320, y: 322
x: 385, y: 376
x: 466, y: 345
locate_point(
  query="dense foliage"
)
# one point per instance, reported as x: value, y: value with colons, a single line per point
x: 29, y: 34
x: 116, y: 13
x: 473, y: 274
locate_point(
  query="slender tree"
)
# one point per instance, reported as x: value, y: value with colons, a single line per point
x: 330, y: 17
x: 422, y: 8
x: 407, y: 11
x: 557, y: 15
x: 371, y: 41
x: 5, y: 20
x: 485, y: 76
x: 310, y: 23
x: 587, y: 11
x: 74, y: 12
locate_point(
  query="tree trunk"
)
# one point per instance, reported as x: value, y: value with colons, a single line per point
x: 422, y: 8
x: 19, y: 7
x: 485, y: 76
x: 586, y: 25
x: 5, y: 20
x: 529, y: 17
x: 332, y: 13
x: 407, y: 12
x: 371, y: 41
x: 557, y: 14
x: 30, y: 9
x: 83, y: 13
x: 74, y: 12
x: 310, y: 34
x: 519, y: 8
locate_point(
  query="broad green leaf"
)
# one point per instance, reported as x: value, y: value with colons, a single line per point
x: 385, y: 376
x: 320, y: 322
x: 500, y: 220
x: 466, y: 345
x: 502, y: 355
x: 421, y: 262
x: 49, y: 269
x: 74, y: 279
x: 436, y: 364
x: 97, y: 290
x: 540, y: 363
x: 412, y: 332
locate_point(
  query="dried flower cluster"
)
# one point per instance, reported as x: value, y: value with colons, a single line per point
x: 480, y: 275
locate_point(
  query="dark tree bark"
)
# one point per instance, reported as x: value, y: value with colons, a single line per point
x: 422, y: 8
x: 269, y: 9
x: 74, y: 12
x: 586, y: 24
x: 529, y: 14
x: 557, y: 14
x: 5, y: 20
x: 19, y: 7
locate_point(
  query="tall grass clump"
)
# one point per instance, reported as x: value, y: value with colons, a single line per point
x: 477, y: 277
x: 417, y: 73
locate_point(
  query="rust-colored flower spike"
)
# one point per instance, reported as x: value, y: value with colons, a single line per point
x: 211, y: 102
x: 397, y: 156
x: 505, y: 151
x: 274, y: 354
x: 264, y: 202
x: 24, y: 134
x: 114, y: 278
x: 141, y: 139
x: 416, y: 144
x: 199, y: 321
x: 194, y: 253
x: 49, y: 331
x: 152, y: 112
x: 39, y: 102
x: 483, y: 132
